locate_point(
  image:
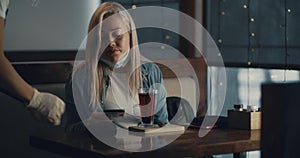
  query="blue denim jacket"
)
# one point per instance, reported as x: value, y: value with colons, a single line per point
x: 152, y: 76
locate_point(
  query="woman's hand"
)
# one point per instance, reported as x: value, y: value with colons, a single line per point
x: 97, y: 118
x: 98, y: 122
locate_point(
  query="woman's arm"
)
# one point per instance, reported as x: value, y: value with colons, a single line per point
x: 152, y: 76
x: 79, y: 114
x: 74, y: 123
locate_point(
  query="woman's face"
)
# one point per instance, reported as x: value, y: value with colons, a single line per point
x: 115, y: 39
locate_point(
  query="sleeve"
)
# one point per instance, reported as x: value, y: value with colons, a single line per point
x: 3, y: 8
x: 154, y: 79
x: 78, y: 100
x: 74, y: 123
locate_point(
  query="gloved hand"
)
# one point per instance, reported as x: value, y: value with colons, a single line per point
x: 3, y: 8
x: 46, y: 106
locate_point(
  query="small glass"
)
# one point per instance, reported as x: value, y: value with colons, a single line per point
x: 147, y: 104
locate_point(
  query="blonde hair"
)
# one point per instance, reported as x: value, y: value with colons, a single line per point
x: 96, y: 69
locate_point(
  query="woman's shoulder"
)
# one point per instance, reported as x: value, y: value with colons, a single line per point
x: 151, y: 71
x: 149, y: 67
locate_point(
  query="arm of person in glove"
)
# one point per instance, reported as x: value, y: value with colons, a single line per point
x: 47, y: 105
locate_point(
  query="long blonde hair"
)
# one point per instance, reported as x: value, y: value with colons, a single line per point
x: 96, y: 69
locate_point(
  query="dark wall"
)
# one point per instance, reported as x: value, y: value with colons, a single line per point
x: 280, y: 120
x: 17, y: 125
x: 260, y: 32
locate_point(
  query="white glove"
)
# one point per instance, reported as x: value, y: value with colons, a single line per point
x: 47, y: 106
x: 3, y: 7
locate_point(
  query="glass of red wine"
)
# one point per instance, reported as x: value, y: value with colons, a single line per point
x: 147, y: 104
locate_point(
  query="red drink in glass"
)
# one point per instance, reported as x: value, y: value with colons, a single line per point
x: 147, y: 104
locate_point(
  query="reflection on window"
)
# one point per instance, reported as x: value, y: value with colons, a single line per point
x: 244, y: 86
x: 249, y: 89
x: 250, y: 81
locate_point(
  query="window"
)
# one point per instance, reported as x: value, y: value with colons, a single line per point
x: 243, y: 84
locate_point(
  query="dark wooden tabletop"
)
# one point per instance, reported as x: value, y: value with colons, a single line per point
x: 189, y: 144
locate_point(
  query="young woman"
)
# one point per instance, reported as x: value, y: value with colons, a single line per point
x: 112, y: 71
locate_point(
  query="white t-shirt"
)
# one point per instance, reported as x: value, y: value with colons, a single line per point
x: 118, y: 94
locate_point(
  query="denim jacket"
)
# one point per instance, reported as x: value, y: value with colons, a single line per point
x: 151, y: 76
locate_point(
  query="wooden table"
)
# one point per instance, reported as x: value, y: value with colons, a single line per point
x: 217, y: 141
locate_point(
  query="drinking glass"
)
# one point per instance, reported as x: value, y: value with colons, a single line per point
x: 147, y: 104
